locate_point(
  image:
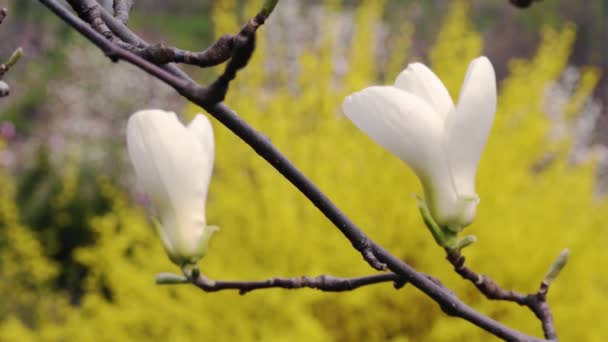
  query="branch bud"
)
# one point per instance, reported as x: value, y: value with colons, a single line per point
x: 557, y: 266
x: 170, y: 279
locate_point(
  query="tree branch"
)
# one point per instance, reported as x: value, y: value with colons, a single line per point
x: 324, y: 283
x: 122, y: 9
x: 536, y: 302
x: 218, y: 53
x: 237, y: 49
x: 374, y: 254
x: 90, y: 12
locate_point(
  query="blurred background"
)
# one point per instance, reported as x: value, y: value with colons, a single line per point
x: 78, y: 254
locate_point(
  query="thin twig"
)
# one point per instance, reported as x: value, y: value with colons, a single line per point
x: 236, y: 49
x: 218, y: 53
x: 229, y: 46
x: 244, y: 45
x: 374, y: 254
x: 326, y: 283
x: 536, y: 302
x: 90, y: 12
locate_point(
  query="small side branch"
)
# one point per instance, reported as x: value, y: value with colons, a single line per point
x: 244, y: 45
x: 235, y: 49
x: 326, y: 283
x: 218, y: 53
x: 90, y: 11
x: 536, y: 302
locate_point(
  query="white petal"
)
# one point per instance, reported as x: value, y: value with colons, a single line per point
x: 400, y: 122
x: 468, y: 126
x: 422, y: 82
x: 169, y: 161
x: 405, y: 125
x: 200, y: 127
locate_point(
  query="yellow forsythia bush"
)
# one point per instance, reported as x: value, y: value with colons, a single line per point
x: 268, y: 229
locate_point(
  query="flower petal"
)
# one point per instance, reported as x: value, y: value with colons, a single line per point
x: 404, y: 125
x: 201, y: 129
x: 400, y: 122
x: 468, y: 126
x: 422, y: 82
x: 168, y: 160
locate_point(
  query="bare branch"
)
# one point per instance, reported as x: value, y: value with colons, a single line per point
x: 122, y: 9
x: 90, y: 11
x: 244, y: 45
x: 219, y: 52
x: 536, y: 302
x: 324, y: 283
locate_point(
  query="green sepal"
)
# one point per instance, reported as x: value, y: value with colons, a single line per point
x: 180, y: 259
x: 445, y: 237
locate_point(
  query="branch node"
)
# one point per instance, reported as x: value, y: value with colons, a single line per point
x: 399, y: 283
x: 367, y: 251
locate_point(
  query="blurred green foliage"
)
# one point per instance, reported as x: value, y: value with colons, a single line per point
x: 526, y: 216
x: 57, y: 205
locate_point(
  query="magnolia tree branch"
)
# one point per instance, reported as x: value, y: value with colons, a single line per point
x: 122, y: 9
x: 373, y: 253
x: 324, y: 283
x: 536, y: 302
x: 235, y: 49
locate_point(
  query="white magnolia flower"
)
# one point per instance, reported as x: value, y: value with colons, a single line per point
x: 417, y: 121
x: 173, y: 164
